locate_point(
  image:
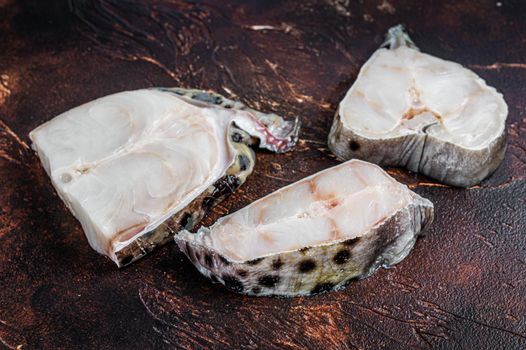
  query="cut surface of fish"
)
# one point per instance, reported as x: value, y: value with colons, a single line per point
x: 312, y: 236
x: 137, y: 166
x: 410, y: 109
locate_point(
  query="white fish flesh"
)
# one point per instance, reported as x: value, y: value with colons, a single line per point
x: 312, y: 236
x: 137, y: 166
x: 410, y: 109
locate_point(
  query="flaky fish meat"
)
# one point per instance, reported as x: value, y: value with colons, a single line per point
x: 410, y: 109
x: 312, y: 236
x: 137, y: 166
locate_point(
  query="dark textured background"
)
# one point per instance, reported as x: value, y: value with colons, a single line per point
x: 463, y: 286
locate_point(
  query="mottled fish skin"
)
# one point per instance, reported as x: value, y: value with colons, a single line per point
x: 420, y: 152
x: 316, y: 269
x: 444, y: 161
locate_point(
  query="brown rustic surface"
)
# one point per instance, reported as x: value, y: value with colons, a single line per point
x: 464, y: 285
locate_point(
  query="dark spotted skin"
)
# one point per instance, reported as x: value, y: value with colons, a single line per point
x: 342, y: 257
x: 306, y: 266
x: 233, y: 283
x: 269, y: 281
x: 354, y: 146
x: 317, y: 269
x: 277, y: 264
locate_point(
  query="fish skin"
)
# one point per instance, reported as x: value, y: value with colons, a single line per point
x: 441, y: 160
x: 316, y: 269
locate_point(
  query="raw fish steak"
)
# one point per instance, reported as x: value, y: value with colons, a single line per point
x: 312, y: 236
x: 137, y: 166
x: 414, y: 110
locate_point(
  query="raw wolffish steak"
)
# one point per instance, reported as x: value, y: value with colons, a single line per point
x: 410, y: 109
x: 312, y: 236
x: 137, y: 166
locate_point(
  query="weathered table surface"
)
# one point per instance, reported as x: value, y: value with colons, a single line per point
x: 463, y: 286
